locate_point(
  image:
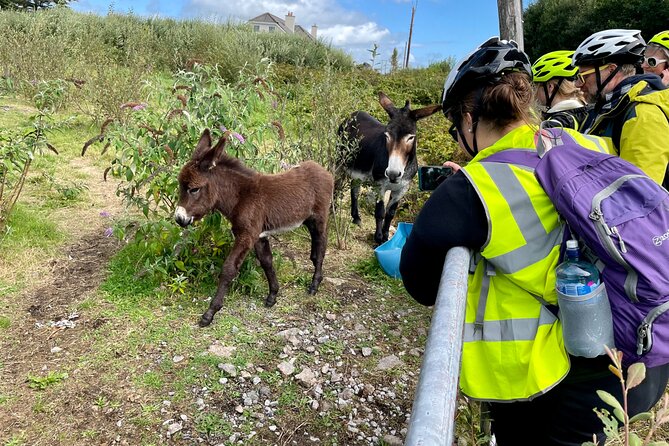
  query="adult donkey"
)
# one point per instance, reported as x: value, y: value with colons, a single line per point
x: 384, y: 154
x: 257, y: 205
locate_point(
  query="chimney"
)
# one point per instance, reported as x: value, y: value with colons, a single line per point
x: 290, y: 22
x: 314, y: 31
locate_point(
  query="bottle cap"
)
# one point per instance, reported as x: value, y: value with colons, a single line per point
x: 572, y: 244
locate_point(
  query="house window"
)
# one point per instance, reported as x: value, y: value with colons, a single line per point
x: 272, y: 29
x: 256, y: 28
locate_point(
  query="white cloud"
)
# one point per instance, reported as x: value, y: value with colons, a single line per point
x: 341, y: 35
x: 345, y: 29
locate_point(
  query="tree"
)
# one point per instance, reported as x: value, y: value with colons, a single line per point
x: 374, y: 52
x: 552, y: 25
x: 31, y: 4
x: 394, y: 63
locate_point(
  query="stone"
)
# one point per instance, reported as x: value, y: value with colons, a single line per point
x: 306, y: 377
x: 389, y: 362
x: 286, y: 368
x: 366, y: 351
x: 392, y: 440
x: 221, y: 350
x: 229, y: 369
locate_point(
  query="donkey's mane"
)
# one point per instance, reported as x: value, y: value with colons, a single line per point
x: 233, y: 163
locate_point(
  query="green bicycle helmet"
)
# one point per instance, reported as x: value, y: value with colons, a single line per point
x: 553, y: 64
x: 661, y: 38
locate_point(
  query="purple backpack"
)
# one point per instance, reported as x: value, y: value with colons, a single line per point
x: 622, y: 216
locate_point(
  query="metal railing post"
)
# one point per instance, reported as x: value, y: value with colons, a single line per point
x: 435, y: 402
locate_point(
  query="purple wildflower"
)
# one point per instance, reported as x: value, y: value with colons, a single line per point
x: 223, y: 128
x: 141, y: 106
x: 239, y: 137
x: 109, y: 232
x: 105, y: 214
x: 274, y: 104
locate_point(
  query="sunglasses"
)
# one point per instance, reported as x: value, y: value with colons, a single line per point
x: 580, y: 77
x: 453, y: 131
x: 653, y: 61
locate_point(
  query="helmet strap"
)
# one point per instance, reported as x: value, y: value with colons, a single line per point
x: 550, y: 97
x: 601, y: 85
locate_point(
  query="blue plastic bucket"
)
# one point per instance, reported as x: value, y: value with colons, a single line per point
x: 388, y: 254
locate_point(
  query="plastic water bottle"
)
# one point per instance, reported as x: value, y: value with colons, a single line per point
x: 585, y: 311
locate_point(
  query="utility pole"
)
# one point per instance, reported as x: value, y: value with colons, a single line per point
x: 413, y: 12
x: 511, y: 20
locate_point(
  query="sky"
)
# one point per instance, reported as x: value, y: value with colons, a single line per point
x: 441, y: 28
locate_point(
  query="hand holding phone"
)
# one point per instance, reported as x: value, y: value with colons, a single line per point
x: 429, y: 177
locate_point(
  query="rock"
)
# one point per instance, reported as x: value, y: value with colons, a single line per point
x: 335, y: 281
x: 366, y: 351
x: 221, y: 350
x: 285, y: 334
x: 347, y: 394
x: 177, y: 359
x: 415, y: 352
x: 392, y: 440
x: 286, y: 368
x: 229, y: 369
x: 330, y: 316
x: 56, y: 350
x: 389, y: 362
x: 239, y: 409
x: 174, y: 428
x: 306, y: 377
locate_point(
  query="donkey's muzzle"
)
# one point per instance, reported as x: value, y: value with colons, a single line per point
x: 182, y: 217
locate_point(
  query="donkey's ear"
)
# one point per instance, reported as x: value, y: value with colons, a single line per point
x: 219, y: 148
x: 424, y: 112
x: 203, y: 146
x: 387, y: 104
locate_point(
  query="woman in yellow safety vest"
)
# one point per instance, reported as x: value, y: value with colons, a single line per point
x: 513, y: 353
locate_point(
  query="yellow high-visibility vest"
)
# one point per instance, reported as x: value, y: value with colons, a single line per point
x: 513, y: 348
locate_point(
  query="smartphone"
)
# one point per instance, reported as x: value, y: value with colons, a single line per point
x: 429, y: 177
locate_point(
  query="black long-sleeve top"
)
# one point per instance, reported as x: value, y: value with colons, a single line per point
x: 452, y: 216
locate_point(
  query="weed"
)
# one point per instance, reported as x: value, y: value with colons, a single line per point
x: 42, y: 382
x: 5, y: 322
x: 634, y: 375
x: 16, y: 440
x: 150, y: 379
x: 212, y: 424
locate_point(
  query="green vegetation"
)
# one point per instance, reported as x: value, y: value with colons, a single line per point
x: 42, y: 382
x: 551, y: 25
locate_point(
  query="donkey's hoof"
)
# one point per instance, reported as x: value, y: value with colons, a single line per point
x: 312, y: 290
x: 270, y: 301
x: 205, y: 320
x: 357, y: 221
x: 379, y: 239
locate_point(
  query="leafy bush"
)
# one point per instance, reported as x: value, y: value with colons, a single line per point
x: 18, y: 148
x: 151, y: 143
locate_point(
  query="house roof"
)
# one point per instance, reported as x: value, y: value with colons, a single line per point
x: 271, y: 18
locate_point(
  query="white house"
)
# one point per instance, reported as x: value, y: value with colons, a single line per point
x: 270, y: 23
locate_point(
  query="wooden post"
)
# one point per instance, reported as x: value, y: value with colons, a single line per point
x: 413, y: 12
x: 511, y: 20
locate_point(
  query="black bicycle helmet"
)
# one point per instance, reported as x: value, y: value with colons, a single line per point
x: 485, y: 64
x: 622, y: 46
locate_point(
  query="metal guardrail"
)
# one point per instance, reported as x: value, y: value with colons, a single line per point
x: 435, y: 402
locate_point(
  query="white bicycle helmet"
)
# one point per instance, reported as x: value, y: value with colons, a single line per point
x: 623, y: 46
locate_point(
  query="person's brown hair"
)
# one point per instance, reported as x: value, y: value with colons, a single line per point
x: 504, y: 102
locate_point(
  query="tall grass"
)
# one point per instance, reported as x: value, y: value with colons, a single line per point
x: 106, y: 59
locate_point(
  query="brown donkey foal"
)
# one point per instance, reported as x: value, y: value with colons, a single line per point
x: 256, y: 205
